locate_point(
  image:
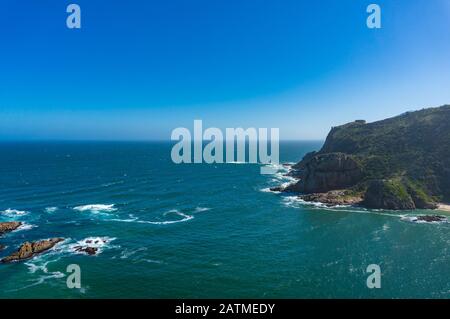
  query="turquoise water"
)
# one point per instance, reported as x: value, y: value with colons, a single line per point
x: 179, y: 231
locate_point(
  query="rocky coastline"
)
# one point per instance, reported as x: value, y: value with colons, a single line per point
x: 30, y: 249
x: 397, y: 164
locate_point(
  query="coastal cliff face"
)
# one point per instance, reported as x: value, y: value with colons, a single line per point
x: 398, y: 163
x: 329, y: 171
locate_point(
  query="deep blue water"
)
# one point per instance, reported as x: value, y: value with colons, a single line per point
x: 199, y: 230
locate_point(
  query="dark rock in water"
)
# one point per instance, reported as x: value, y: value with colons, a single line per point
x: 325, y: 172
x: 28, y: 250
x: 88, y: 250
x: 6, y: 227
x: 431, y: 218
x: 333, y: 198
x: 2, y: 247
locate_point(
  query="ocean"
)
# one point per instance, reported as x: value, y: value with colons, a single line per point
x: 199, y: 231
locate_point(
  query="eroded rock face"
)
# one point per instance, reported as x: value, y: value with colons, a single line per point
x: 333, y: 198
x: 325, y: 172
x: 29, y: 249
x: 6, y: 227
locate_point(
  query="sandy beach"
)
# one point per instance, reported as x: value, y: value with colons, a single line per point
x: 444, y: 207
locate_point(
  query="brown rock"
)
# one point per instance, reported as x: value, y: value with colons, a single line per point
x: 6, y: 227
x: 332, y: 198
x: 28, y: 250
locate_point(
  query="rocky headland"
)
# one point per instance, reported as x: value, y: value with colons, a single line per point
x: 401, y: 163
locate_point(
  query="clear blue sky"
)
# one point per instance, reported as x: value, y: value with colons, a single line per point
x: 138, y: 69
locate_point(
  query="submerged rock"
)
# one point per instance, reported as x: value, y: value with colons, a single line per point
x: 6, y: 227
x: 30, y: 249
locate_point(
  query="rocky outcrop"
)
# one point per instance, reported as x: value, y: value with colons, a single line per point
x: 88, y: 250
x: 30, y: 249
x: 412, y: 147
x: 431, y: 218
x: 6, y: 227
x: 396, y: 194
x: 325, y: 172
x: 333, y: 198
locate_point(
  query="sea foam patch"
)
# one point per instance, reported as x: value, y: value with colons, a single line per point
x: 96, y: 208
x: 14, y: 212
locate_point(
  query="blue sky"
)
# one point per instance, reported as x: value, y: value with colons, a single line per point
x: 138, y: 69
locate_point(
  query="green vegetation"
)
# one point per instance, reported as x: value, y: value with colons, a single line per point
x: 409, y: 154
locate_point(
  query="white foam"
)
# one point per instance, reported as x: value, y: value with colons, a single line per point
x: 166, y: 222
x: 25, y: 226
x: 201, y: 209
x: 14, y: 212
x: 130, y: 252
x: 415, y: 219
x: 51, y: 209
x: 96, y: 208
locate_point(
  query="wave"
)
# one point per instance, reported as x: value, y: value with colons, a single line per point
x: 14, y: 212
x: 130, y: 252
x: 51, y: 209
x: 96, y: 208
x: 201, y: 209
x: 25, y: 226
x: 167, y: 222
x: 185, y: 218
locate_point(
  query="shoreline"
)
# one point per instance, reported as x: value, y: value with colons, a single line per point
x: 443, y: 207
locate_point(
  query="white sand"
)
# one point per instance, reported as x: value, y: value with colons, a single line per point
x: 444, y: 207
